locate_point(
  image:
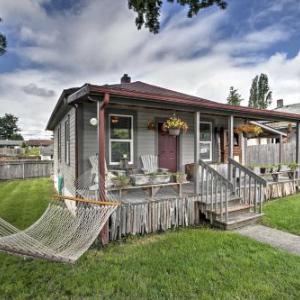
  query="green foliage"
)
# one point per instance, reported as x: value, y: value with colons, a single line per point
x: 293, y: 166
x: 180, y: 264
x: 3, y: 43
x: 35, y: 151
x: 283, y: 214
x: 260, y: 94
x: 148, y: 11
x: 234, y: 98
x: 9, y: 128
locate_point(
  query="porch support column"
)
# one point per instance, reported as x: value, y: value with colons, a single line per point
x: 298, y: 145
x: 196, y: 152
x: 230, y: 143
x: 101, y: 160
x: 280, y: 148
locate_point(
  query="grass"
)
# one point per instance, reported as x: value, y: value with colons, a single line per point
x: 284, y: 214
x: 182, y: 264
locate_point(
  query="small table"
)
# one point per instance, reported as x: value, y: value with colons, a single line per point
x: 151, y: 189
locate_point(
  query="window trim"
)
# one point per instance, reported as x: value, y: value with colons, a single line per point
x: 206, y: 142
x: 67, y: 141
x: 131, y: 141
x: 59, y: 142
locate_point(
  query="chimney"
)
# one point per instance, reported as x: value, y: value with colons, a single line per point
x: 279, y: 103
x: 125, y: 79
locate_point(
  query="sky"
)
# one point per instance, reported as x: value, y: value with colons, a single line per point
x: 58, y: 44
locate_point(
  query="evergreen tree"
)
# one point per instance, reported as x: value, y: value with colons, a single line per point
x: 3, y: 43
x: 260, y: 93
x: 148, y: 11
x: 234, y: 98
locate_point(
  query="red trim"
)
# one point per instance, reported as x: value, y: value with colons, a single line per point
x: 192, y: 101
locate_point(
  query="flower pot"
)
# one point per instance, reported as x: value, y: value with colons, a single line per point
x: 181, y: 178
x: 263, y: 170
x: 140, y: 179
x: 174, y: 131
x: 291, y: 174
x: 158, y: 179
x: 120, y: 183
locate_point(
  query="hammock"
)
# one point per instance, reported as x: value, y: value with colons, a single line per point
x: 61, y: 234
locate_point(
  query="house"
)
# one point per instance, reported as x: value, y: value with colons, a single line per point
x: 289, y: 128
x: 125, y: 121
x: 47, y: 152
x: 39, y: 143
x: 10, y: 147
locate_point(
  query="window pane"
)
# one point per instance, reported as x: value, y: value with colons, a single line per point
x: 205, y: 132
x: 118, y: 149
x: 205, y: 151
x: 120, y: 127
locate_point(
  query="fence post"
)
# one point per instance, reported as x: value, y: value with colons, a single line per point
x: 23, y: 170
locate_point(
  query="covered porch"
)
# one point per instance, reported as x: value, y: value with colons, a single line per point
x: 119, y: 130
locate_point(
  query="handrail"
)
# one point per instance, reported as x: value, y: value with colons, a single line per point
x: 248, y: 171
x: 203, y: 163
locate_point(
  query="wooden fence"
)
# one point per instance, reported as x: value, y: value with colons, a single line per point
x: 154, y: 216
x: 11, y: 151
x: 269, y: 154
x: 25, y: 169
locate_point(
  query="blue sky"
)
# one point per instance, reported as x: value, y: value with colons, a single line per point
x: 56, y: 44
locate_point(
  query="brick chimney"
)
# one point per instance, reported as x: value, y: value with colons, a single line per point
x: 125, y: 79
x: 279, y: 103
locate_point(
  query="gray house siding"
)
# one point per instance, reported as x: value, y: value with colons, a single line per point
x: 68, y: 171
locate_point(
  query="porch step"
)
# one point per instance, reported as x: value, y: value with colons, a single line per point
x: 233, y: 210
x: 238, y: 221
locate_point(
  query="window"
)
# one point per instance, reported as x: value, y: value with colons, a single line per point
x: 59, y: 142
x: 120, y: 138
x: 67, y: 141
x: 206, y: 141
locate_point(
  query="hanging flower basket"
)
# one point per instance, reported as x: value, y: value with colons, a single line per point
x: 249, y: 130
x: 174, y: 125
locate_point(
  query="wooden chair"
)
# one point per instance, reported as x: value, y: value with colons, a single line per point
x: 150, y: 163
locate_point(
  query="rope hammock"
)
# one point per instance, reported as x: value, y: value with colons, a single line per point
x: 65, y: 231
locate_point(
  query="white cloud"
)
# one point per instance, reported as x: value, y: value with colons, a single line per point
x: 100, y: 42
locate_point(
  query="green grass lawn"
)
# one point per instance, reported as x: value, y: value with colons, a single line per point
x: 284, y: 214
x: 183, y: 264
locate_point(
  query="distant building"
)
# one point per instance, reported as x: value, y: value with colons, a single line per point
x: 10, y: 147
x: 39, y: 143
x: 47, y: 152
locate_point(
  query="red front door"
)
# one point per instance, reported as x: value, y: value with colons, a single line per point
x: 167, y: 150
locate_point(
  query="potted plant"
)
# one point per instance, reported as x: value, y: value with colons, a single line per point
x: 263, y: 169
x: 249, y: 130
x: 160, y: 177
x: 293, y: 167
x: 180, y: 177
x: 140, y: 179
x: 121, y: 181
x: 174, y: 125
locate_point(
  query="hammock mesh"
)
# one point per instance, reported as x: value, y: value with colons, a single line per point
x: 63, y: 233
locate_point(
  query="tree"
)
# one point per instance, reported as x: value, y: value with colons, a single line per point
x: 3, y: 43
x: 260, y: 93
x: 148, y: 11
x: 234, y: 98
x: 9, y: 129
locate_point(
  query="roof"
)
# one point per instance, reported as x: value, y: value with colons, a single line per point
x: 11, y: 142
x: 268, y: 128
x: 39, y: 143
x: 147, y: 92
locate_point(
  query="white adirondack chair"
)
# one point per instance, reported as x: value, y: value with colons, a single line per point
x: 150, y: 163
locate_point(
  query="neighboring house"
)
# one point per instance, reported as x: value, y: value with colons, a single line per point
x: 289, y: 128
x: 39, y: 143
x: 47, y: 152
x: 10, y: 147
x: 123, y: 114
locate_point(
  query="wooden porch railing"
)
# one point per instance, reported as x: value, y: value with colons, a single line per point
x: 246, y: 184
x: 215, y: 190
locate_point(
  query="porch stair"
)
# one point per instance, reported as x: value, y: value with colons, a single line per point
x: 231, y: 202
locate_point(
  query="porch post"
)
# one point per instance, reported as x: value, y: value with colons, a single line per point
x: 298, y: 145
x: 230, y: 143
x: 101, y: 160
x: 196, y: 151
x: 280, y: 149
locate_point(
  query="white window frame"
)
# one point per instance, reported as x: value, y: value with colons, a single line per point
x: 206, y: 142
x: 110, y: 140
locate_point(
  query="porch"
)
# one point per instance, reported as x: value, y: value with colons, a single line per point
x: 119, y: 131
